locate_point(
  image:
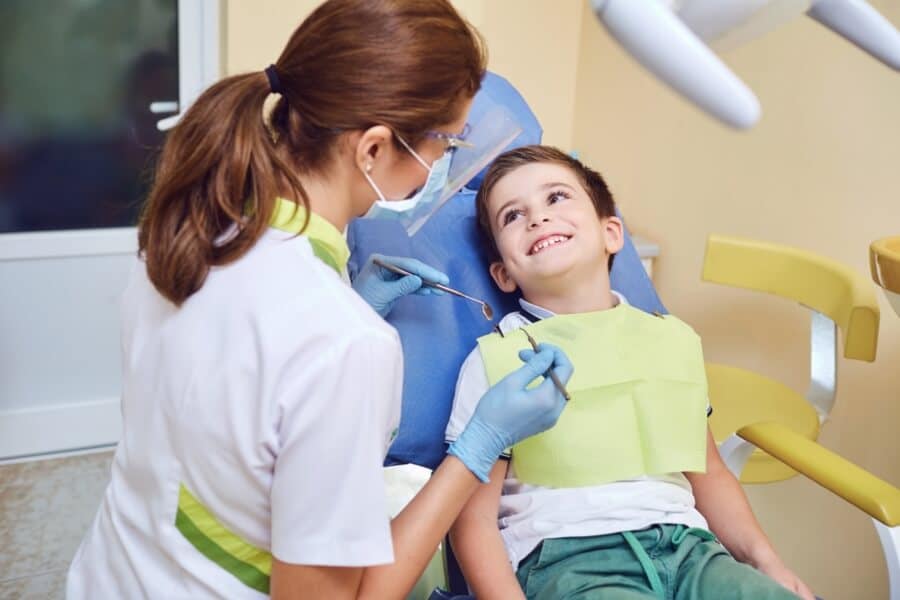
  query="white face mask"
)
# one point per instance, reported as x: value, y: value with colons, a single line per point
x: 410, y: 210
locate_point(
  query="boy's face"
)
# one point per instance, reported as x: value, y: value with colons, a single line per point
x: 546, y: 227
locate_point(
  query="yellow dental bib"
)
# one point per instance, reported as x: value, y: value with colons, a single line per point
x: 638, y: 398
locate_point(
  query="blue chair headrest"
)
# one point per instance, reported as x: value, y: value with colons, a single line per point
x: 438, y: 332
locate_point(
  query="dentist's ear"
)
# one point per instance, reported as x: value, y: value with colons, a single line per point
x: 373, y: 143
x: 614, y: 232
x: 501, y: 277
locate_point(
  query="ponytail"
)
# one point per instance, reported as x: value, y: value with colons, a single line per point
x: 215, y: 187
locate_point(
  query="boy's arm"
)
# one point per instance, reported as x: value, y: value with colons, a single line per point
x: 478, y: 546
x: 721, y: 500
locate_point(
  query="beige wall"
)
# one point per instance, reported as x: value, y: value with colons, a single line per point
x: 537, y: 50
x: 256, y: 32
x: 820, y: 171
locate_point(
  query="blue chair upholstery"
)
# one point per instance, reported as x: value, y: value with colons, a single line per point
x: 438, y: 332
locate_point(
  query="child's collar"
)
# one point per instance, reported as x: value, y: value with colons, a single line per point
x: 533, y: 312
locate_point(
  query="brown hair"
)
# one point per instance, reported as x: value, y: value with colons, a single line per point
x: 590, y: 180
x: 350, y: 65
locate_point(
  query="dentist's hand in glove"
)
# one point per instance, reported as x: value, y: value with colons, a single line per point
x: 509, y: 413
x: 381, y: 288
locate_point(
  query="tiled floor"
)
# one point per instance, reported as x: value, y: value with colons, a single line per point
x: 45, y: 508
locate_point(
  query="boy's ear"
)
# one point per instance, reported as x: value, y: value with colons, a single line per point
x: 501, y: 277
x: 614, y: 232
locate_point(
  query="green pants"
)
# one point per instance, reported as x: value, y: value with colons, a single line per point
x: 663, y: 561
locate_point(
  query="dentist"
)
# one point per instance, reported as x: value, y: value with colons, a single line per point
x: 260, y: 390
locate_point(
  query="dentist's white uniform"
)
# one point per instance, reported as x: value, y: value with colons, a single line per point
x: 256, y: 418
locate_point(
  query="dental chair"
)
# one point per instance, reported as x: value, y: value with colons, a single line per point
x: 884, y: 263
x: 749, y: 411
x: 766, y: 431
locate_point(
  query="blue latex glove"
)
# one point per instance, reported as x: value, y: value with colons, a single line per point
x: 509, y: 413
x: 381, y: 288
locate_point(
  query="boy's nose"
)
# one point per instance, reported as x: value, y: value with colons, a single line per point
x: 537, y: 220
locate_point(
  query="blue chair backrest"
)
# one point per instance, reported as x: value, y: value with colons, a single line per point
x: 438, y: 332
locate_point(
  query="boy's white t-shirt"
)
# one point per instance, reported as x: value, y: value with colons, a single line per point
x: 271, y: 395
x: 529, y: 513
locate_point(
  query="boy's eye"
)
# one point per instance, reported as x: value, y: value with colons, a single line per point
x: 555, y: 196
x: 510, y: 216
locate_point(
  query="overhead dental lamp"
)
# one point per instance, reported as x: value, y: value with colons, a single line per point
x: 673, y: 39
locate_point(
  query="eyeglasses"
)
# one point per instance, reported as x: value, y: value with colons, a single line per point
x: 453, y: 140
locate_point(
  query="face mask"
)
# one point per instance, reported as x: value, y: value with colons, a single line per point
x: 422, y: 204
x: 493, y: 131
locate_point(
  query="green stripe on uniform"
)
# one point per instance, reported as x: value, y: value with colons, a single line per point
x: 320, y: 250
x: 246, y: 562
x: 328, y: 244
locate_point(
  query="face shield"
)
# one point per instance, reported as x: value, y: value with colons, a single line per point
x: 466, y: 155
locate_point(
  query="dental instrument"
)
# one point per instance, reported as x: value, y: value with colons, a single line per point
x: 486, y: 309
x: 551, y: 373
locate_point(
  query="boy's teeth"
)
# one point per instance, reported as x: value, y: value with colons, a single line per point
x: 545, y: 243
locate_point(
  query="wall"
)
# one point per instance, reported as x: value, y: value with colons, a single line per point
x: 819, y: 172
x: 537, y: 50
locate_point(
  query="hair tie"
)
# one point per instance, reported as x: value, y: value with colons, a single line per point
x: 274, y: 81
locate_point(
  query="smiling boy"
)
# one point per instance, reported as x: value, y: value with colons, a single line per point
x: 624, y: 526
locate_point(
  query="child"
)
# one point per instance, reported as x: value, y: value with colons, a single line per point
x: 634, y: 532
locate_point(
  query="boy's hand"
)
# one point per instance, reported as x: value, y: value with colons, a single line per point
x: 780, y: 573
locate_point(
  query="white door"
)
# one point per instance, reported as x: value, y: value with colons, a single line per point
x: 84, y: 85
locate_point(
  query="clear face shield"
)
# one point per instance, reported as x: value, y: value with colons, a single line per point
x: 466, y: 155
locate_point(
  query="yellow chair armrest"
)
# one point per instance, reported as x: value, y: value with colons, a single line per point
x: 884, y: 262
x: 872, y: 495
x: 822, y: 284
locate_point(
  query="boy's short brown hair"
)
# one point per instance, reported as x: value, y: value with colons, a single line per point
x: 507, y: 162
